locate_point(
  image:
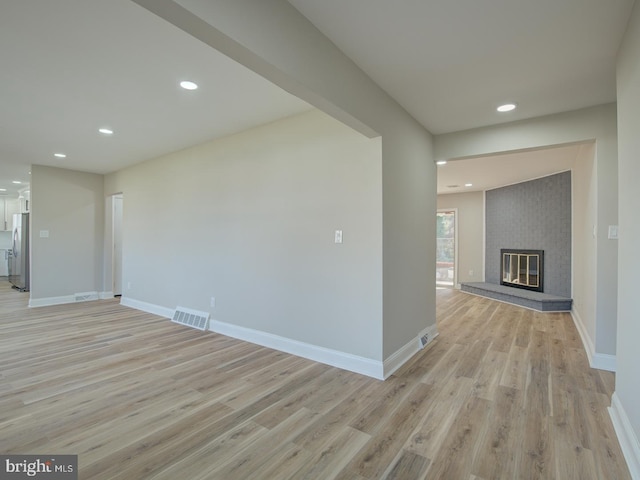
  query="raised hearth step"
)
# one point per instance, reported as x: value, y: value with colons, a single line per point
x: 542, y: 302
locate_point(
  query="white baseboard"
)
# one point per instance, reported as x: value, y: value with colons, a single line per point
x: 431, y: 331
x: 353, y: 363
x: 105, y: 295
x: 147, y: 307
x: 47, y: 301
x: 335, y: 358
x: 601, y: 361
x: 75, y: 298
x: 626, y: 436
x: 401, y: 356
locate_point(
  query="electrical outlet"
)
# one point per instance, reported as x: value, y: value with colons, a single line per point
x: 129, y: 285
x: 338, y: 236
x: 213, y: 302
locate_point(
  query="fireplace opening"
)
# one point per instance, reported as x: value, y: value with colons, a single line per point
x: 522, y: 268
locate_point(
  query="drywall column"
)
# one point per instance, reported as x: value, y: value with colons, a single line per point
x: 625, y: 406
x: 276, y: 41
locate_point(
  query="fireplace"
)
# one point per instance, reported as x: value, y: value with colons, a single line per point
x: 522, y: 268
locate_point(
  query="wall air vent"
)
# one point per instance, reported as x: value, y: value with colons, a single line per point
x: 191, y: 318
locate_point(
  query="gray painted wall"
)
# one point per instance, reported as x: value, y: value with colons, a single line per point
x: 276, y: 41
x: 534, y: 215
x: 69, y: 205
x: 628, y: 358
x: 252, y: 224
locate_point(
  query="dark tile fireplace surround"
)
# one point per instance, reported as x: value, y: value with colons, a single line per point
x: 535, y: 214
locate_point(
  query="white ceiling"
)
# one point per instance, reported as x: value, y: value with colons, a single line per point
x: 504, y: 169
x: 451, y: 63
x: 72, y: 66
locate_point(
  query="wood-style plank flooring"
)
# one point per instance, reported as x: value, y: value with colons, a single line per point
x: 502, y: 393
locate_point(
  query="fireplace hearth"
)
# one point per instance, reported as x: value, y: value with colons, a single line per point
x: 522, y: 269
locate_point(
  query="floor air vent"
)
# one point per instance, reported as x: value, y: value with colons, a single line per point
x: 85, y: 297
x: 191, y: 318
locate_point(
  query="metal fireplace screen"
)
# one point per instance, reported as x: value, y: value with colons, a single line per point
x: 522, y: 268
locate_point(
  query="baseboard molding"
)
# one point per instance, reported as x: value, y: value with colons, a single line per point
x: 401, y: 356
x: 48, y: 301
x: 353, y: 363
x: 601, y: 361
x: 346, y: 361
x: 587, y: 342
x: 147, y: 307
x: 626, y: 436
x: 335, y: 358
x: 75, y: 298
x: 105, y: 295
x: 431, y: 331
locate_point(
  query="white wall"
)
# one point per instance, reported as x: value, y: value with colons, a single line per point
x: 584, y: 218
x: 626, y: 401
x: 276, y: 41
x: 596, y: 123
x: 250, y: 219
x: 69, y: 205
x: 470, y: 233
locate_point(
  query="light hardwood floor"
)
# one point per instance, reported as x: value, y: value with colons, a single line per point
x: 502, y: 393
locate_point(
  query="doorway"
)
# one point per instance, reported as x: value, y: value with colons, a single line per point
x: 446, y: 248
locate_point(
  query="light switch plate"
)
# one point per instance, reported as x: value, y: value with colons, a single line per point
x: 338, y: 236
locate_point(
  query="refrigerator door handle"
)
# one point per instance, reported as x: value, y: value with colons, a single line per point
x: 14, y: 250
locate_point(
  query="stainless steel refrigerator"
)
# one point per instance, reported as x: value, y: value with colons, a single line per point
x: 19, y: 255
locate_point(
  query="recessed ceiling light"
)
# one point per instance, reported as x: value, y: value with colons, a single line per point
x: 60, y: 155
x: 187, y: 85
x: 3, y: 189
x: 17, y: 182
x: 468, y: 184
x: 441, y: 162
x: 507, y: 107
x: 105, y: 131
